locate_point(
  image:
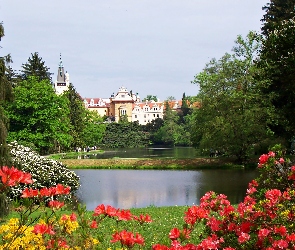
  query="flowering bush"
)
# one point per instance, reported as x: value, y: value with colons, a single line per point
x: 50, y: 231
x: 264, y: 220
x: 45, y: 172
x: 260, y: 222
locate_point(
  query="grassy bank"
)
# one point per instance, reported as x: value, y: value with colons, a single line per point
x: 163, y: 220
x: 139, y: 163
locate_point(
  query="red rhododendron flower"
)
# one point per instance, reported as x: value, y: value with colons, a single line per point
x: 56, y: 204
x: 43, y: 229
x: 263, y: 159
x: 105, y: 210
x: 194, y: 214
x: 100, y: 209
x: 93, y: 224
x: 12, y: 176
x: 280, y: 244
x: 160, y: 247
x: 262, y: 233
x: 271, y: 154
x: 44, y: 192
x: 243, y: 237
x: 273, y: 195
x: 291, y: 237
x: 128, y: 239
x: 143, y: 218
x: 111, y: 211
x: 281, y: 230
x: 29, y: 193
x: 124, y: 215
x: 73, y: 217
x: 174, y: 234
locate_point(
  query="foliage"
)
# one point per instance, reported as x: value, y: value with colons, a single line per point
x: 5, y: 96
x: 256, y: 223
x: 35, y: 67
x: 77, y: 114
x: 94, y: 129
x: 125, y: 135
x: 150, y: 98
x: 44, y: 171
x: 276, y: 12
x: 172, y: 133
x: 274, y: 170
x: 39, y: 116
x: 265, y: 222
x: 277, y: 61
x: 172, y: 130
x: 233, y: 115
x: 185, y: 109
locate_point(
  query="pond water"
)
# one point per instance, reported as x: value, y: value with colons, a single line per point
x: 141, y: 188
x: 176, y: 152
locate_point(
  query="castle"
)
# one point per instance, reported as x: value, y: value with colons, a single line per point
x: 124, y: 103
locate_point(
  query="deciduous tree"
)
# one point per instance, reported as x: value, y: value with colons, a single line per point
x: 39, y: 116
x: 94, y: 129
x: 232, y: 116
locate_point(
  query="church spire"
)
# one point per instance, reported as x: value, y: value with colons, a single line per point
x: 60, y: 74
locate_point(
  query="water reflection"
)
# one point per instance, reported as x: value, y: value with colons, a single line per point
x: 142, y: 188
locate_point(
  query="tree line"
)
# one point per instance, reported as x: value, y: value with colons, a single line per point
x: 245, y: 101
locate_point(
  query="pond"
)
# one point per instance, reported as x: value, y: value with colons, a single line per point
x: 141, y: 188
x: 155, y: 152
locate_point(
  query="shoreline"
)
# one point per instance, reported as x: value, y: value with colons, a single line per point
x: 147, y: 163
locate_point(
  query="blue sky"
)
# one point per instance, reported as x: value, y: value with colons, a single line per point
x: 152, y: 47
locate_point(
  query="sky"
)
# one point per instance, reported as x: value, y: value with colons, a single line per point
x: 152, y: 47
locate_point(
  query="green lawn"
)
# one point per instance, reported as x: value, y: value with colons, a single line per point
x: 164, y: 219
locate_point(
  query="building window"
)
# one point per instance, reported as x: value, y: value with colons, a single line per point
x: 135, y: 116
x: 154, y: 115
x: 158, y: 115
x: 123, y: 112
x: 144, y: 116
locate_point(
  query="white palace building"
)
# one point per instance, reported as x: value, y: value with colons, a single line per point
x: 123, y: 103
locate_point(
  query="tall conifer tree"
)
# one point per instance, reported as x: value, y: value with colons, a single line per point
x: 35, y: 66
x: 5, y: 95
x: 277, y: 59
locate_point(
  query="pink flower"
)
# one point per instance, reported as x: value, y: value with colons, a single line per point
x: 243, y: 237
x: 281, y: 244
x: 263, y: 159
x: 263, y: 233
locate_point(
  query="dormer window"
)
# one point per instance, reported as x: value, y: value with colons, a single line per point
x: 123, y: 96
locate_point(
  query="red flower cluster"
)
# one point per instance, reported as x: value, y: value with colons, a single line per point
x: 46, y: 192
x: 128, y: 239
x: 43, y: 229
x: 266, y: 223
x: 120, y: 214
x: 12, y: 176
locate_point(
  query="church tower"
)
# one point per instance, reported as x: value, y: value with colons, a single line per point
x: 63, y: 79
